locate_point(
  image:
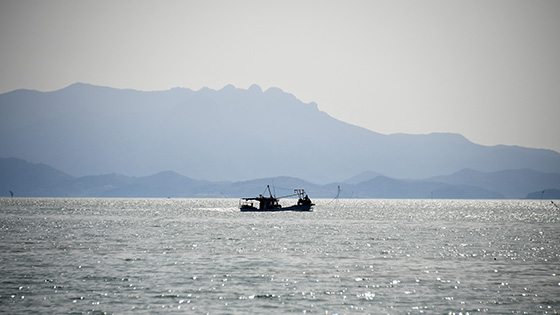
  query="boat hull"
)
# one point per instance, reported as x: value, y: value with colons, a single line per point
x: 302, y: 208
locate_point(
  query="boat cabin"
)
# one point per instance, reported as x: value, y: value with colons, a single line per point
x: 263, y: 203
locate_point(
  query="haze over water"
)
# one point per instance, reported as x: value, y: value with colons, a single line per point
x: 348, y: 256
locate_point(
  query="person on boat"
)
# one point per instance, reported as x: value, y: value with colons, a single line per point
x: 304, y: 201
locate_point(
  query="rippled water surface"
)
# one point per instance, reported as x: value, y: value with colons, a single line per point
x: 348, y: 256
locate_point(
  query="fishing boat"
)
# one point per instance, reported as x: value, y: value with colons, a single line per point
x: 272, y: 203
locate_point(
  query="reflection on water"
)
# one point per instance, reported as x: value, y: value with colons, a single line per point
x: 349, y: 256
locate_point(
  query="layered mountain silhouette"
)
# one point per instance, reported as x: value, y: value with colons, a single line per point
x: 228, y: 135
x: 40, y: 180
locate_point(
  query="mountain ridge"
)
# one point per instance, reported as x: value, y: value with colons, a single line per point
x: 228, y: 134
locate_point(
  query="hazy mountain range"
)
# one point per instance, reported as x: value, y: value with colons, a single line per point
x: 39, y: 180
x: 229, y: 134
x: 229, y: 137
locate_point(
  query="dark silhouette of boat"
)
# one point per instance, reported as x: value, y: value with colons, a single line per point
x: 271, y: 203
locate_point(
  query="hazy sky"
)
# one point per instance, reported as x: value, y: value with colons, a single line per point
x: 489, y: 70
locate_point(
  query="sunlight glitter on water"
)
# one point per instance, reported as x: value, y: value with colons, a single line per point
x: 349, y: 256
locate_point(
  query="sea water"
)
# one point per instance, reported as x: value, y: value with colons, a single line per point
x: 348, y: 256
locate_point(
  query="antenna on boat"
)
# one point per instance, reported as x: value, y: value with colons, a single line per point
x: 270, y: 192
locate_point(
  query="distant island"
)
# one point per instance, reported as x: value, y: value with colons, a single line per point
x: 40, y: 180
